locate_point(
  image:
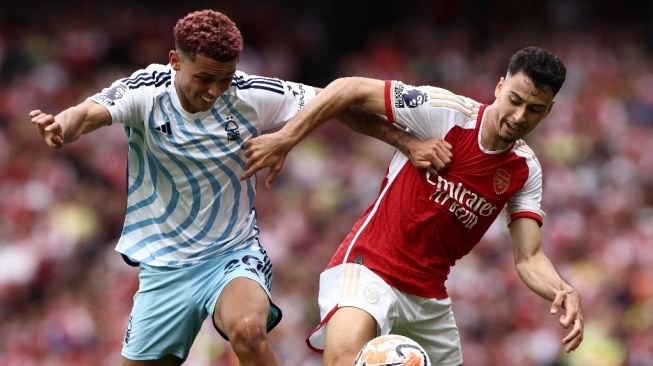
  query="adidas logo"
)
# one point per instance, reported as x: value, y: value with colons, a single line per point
x: 165, y: 128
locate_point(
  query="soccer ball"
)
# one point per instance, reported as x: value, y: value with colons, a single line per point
x: 392, y: 349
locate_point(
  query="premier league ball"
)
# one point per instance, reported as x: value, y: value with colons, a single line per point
x: 392, y: 349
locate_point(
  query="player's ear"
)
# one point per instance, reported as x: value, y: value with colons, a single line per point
x: 174, y: 60
x: 497, y: 89
x: 548, y: 110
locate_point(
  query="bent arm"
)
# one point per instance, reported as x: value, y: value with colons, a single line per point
x: 539, y: 274
x: 358, y: 103
x: 69, y: 125
x: 433, y: 153
x: 374, y: 125
x: 331, y: 102
x: 533, y: 266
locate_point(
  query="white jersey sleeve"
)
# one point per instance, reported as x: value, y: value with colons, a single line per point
x: 129, y: 99
x: 276, y: 101
x: 527, y: 202
x: 427, y: 111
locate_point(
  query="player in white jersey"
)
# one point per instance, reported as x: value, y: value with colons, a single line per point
x: 190, y: 222
x: 389, y: 274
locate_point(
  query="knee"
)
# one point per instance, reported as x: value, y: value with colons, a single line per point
x: 247, y: 335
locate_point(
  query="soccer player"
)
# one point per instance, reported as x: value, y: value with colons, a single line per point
x: 388, y: 276
x: 190, y: 222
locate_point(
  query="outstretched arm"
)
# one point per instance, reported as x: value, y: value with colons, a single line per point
x: 338, y: 100
x: 539, y: 274
x: 333, y: 101
x: 69, y: 125
x: 270, y: 150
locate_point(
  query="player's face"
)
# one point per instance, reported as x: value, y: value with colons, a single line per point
x: 200, y: 83
x: 519, y: 108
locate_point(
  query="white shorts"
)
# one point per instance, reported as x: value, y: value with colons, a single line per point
x: 429, y: 322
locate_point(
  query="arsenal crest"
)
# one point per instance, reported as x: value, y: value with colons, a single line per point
x: 501, y: 181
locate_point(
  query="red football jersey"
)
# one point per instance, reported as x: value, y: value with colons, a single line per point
x: 423, y: 221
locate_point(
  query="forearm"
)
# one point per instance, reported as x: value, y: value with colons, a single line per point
x: 539, y: 274
x: 270, y: 150
x: 70, y: 121
x: 378, y: 127
x: 330, y: 103
x: 76, y: 121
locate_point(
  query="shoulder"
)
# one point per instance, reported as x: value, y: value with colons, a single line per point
x: 243, y: 82
x: 153, y: 76
x: 445, y: 99
x: 523, y: 150
x: 140, y: 88
x: 409, y: 96
x: 269, y: 92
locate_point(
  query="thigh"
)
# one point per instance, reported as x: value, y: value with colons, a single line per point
x: 164, y: 319
x: 243, y: 291
x: 242, y: 298
x: 346, y: 333
x: 353, y: 286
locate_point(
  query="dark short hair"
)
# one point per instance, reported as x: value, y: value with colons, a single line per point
x: 543, y: 67
x: 210, y: 34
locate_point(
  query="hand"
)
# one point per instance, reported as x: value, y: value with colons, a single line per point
x: 49, y: 129
x: 266, y: 151
x: 569, y: 300
x: 433, y: 153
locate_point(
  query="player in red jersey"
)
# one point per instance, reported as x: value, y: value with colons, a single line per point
x: 388, y: 276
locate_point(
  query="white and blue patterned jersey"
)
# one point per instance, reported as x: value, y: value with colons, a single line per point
x: 185, y: 202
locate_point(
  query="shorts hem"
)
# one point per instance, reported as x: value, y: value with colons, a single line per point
x: 149, y: 356
x: 459, y: 362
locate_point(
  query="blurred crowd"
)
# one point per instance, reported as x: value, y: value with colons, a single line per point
x: 65, y: 294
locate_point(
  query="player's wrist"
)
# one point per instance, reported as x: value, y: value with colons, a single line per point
x: 287, y: 139
x: 407, y: 144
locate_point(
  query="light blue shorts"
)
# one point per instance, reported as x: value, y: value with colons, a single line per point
x: 171, y: 304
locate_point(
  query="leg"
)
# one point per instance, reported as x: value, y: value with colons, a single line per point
x: 241, y: 312
x: 346, y: 333
x: 168, y: 360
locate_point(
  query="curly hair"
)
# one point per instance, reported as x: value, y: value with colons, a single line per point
x: 543, y: 67
x: 210, y: 34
